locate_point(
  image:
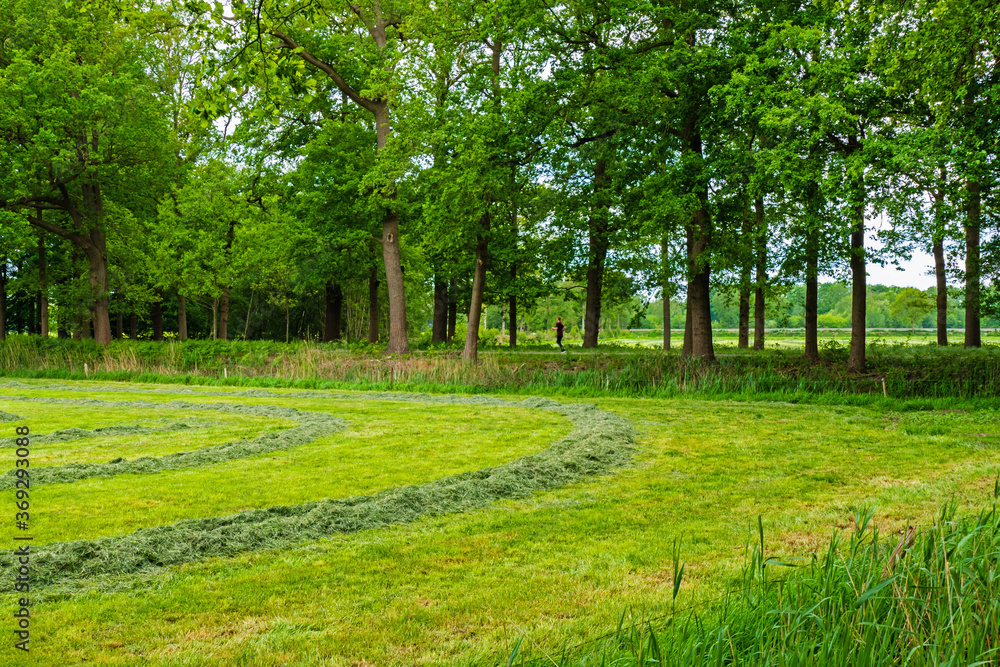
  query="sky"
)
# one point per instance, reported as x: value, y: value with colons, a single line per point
x: 914, y: 273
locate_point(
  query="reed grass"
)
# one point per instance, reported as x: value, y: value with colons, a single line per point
x: 924, y: 598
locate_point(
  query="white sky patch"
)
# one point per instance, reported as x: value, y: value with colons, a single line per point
x: 917, y: 272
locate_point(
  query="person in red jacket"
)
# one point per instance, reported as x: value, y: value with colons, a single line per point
x: 559, y: 327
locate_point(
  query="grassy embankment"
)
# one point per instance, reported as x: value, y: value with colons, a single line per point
x: 549, y: 574
x: 896, y: 371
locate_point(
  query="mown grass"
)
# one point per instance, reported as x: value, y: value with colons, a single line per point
x: 555, y: 571
x: 205, y: 429
x: 387, y: 444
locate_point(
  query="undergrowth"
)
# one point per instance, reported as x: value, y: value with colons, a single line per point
x: 897, y: 372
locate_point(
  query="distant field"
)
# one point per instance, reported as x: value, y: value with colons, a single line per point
x: 795, y: 338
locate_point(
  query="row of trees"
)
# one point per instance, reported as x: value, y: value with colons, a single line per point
x: 396, y: 162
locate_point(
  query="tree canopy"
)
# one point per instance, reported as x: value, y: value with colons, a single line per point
x: 383, y: 170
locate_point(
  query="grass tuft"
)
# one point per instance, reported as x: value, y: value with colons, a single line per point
x: 927, y: 598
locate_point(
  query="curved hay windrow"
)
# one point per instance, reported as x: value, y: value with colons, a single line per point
x: 310, y: 426
x: 73, y: 433
x: 599, y: 443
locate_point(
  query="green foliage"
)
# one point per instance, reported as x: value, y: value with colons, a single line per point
x: 911, y: 305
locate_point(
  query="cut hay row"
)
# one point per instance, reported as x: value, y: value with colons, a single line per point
x: 599, y: 442
x: 310, y: 426
x: 70, y: 434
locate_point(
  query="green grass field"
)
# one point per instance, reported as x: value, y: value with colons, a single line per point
x: 553, y: 570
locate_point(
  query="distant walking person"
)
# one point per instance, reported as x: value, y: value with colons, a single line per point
x: 559, y: 327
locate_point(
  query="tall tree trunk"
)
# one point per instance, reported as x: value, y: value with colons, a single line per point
x: 760, y: 280
x: 120, y: 320
x: 182, y: 317
x: 97, y: 255
x: 133, y: 325
x: 452, y: 308
x: 512, y: 299
x: 812, y: 291
x: 859, y: 284
x: 667, y: 289
x: 3, y: 297
x: 973, y: 335
x: 666, y: 322
x: 99, y: 282
x: 942, y: 293
x: 390, y: 250
x: 372, y: 306
x: 334, y: 308
x: 743, y: 341
x: 743, y: 310
x: 224, y: 314
x: 698, y: 332
x: 598, y: 252
x: 470, y: 353
x: 686, y: 343
x: 43, y: 286
x: 87, y: 234
x: 439, y: 325
x: 939, y: 270
x: 699, y: 289
x: 377, y: 24
x: 158, y: 316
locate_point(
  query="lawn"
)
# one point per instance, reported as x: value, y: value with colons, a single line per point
x: 555, y: 569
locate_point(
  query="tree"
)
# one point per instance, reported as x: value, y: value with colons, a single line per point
x: 950, y: 58
x: 273, y: 45
x: 911, y: 305
x: 81, y: 126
